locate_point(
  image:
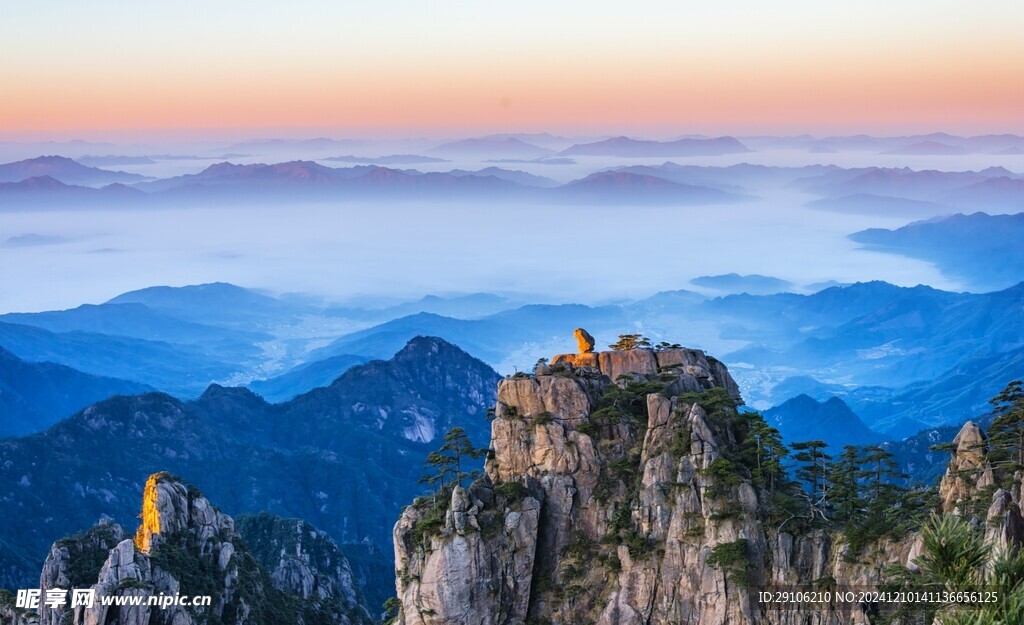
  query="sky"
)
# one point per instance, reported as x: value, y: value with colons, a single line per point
x: 117, y: 69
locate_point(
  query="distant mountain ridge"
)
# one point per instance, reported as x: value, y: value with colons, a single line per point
x: 342, y: 457
x: 507, y: 146
x: 626, y: 146
x: 215, y: 304
x: 179, y: 369
x: 669, y: 183
x: 803, y: 418
x: 304, y: 378
x: 868, y: 204
x: 982, y: 248
x: 65, y: 170
x: 35, y: 395
x: 625, y: 187
x: 734, y: 283
x: 45, y: 191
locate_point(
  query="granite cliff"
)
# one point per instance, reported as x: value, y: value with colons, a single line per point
x: 617, y: 492
x: 293, y: 574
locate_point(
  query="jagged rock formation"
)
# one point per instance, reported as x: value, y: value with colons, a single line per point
x: 968, y: 471
x: 969, y: 488
x: 186, y: 546
x: 74, y: 562
x: 602, y: 503
x: 302, y: 560
x: 11, y: 615
x: 343, y: 458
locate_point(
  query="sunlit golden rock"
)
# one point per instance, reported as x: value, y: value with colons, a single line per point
x: 588, y: 359
x: 150, y: 515
x: 584, y: 341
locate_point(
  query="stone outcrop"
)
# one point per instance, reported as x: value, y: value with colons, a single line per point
x: 617, y: 514
x: 491, y: 566
x: 584, y: 342
x: 185, y: 546
x: 59, y: 570
x: 11, y: 615
x: 1004, y: 523
x: 302, y: 560
x: 604, y: 501
x: 968, y: 472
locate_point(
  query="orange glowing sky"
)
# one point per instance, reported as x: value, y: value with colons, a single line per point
x: 112, y: 66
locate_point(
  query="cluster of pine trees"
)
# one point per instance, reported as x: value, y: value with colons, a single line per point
x: 859, y: 491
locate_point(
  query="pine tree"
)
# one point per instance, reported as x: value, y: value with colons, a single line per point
x: 445, y: 465
x: 1006, y: 433
x: 879, y: 472
x: 768, y: 453
x: 847, y: 503
x: 813, y: 473
x: 627, y: 342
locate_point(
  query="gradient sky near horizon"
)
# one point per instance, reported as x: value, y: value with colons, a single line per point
x: 119, y: 68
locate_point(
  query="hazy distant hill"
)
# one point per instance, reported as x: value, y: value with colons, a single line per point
x: 625, y: 146
x: 48, y: 192
x: 65, y: 170
x: 927, y: 148
x: 803, y: 418
x: 904, y: 182
x: 519, y: 177
x: 871, y: 335
x: 35, y: 395
x: 982, y: 249
x: 755, y: 284
x: 992, y: 195
x: 304, y: 378
x: 740, y: 177
x: 491, y: 338
x: 509, y: 147
x: 850, y: 190
x: 180, y: 369
x: 215, y: 303
x: 624, y: 187
x: 981, y: 144
x: 470, y: 306
x: 303, y: 180
x: 867, y: 204
x: 134, y: 320
x: 393, y: 159
x: 346, y: 457
x: 955, y: 395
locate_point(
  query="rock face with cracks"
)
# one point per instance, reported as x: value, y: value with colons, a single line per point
x: 599, y: 504
x: 186, y: 546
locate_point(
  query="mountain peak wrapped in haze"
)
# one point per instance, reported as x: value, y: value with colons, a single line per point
x: 623, y: 187
x: 34, y: 395
x: 66, y: 170
x: 508, y: 147
x: 979, y: 247
x: 626, y: 146
x: 804, y: 418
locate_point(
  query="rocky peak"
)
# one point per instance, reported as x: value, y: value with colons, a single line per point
x: 184, y: 545
x: 968, y: 471
x: 593, y: 486
x: 171, y: 507
x: 302, y: 560
x: 617, y: 492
